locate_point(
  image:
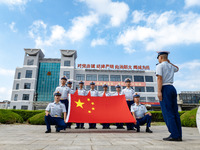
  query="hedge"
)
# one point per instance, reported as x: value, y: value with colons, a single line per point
x: 188, y: 119
x: 37, y: 119
x: 26, y: 114
x: 9, y: 117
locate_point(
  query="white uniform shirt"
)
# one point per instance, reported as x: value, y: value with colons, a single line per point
x: 139, y: 110
x: 94, y: 92
x: 64, y: 90
x: 116, y: 93
x: 82, y: 92
x: 128, y: 92
x: 107, y: 94
x: 166, y: 70
x: 56, y: 109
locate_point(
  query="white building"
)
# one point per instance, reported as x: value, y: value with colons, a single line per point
x: 35, y: 82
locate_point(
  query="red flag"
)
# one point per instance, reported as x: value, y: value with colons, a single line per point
x: 89, y: 109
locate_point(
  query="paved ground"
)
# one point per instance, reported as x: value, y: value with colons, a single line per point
x: 28, y: 137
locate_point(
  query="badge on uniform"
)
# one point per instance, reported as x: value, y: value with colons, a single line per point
x: 56, y: 115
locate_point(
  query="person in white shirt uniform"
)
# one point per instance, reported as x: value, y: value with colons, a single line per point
x: 93, y: 92
x: 118, y: 92
x: 81, y: 91
x: 105, y: 92
x: 128, y: 92
x: 140, y: 114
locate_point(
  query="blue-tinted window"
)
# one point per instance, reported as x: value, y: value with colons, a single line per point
x: 67, y: 74
x: 16, y: 97
x: 19, y: 75
x: 139, y: 89
x: 17, y: 86
x: 67, y: 63
x: 91, y: 77
x: 27, y: 85
x: 115, y: 78
x: 103, y: 78
x: 138, y: 78
x: 29, y: 73
x: 150, y: 89
x: 126, y: 76
x: 25, y: 97
x: 148, y: 78
x: 47, y: 83
x: 80, y: 77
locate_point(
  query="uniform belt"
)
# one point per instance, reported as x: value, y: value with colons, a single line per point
x: 167, y: 83
x: 138, y: 117
x: 129, y: 100
x: 63, y: 99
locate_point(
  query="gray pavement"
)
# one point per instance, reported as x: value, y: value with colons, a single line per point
x: 30, y: 137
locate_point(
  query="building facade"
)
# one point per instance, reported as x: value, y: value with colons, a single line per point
x: 35, y: 82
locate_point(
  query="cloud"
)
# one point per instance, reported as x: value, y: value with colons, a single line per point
x: 13, y: 2
x: 161, y: 30
x: 12, y: 27
x: 191, y: 3
x: 5, y: 93
x: 99, y: 41
x: 187, y: 79
x: 117, y: 11
x: 7, y: 72
x: 81, y: 25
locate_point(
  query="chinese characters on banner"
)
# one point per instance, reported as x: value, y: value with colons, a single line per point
x: 107, y: 66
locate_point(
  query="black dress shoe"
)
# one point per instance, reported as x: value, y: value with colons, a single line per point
x: 82, y: 127
x: 172, y: 139
x: 148, y: 130
x: 104, y: 128
x: 48, y: 131
x: 76, y: 127
x: 57, y: 130
x: 138, y: 129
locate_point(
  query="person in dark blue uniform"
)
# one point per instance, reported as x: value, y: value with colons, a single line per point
x: 168, y: 96
x: 81, y: 91
x: 95, y: 93
x: 53, y: 114
x: 128, y: 92
x: 118, y: 92
x: 140, y: 114
x: 105, y: 92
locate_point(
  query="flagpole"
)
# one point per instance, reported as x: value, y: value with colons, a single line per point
x: 69, y: 106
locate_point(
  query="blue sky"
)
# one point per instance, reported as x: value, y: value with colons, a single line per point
x: 127, y: 32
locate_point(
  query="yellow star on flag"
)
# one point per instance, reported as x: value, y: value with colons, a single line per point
x: 79, y: 104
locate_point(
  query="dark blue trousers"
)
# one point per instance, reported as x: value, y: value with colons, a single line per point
x: 105, y: 125
x: 119, y: 125
x: 129, y: 125
x: 80, y: 125
x: 142, y: 121
x: 92, y: 125
x: 55, y: 121
x: 66, y: 103
x: 170, y: 113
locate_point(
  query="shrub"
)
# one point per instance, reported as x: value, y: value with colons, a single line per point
x: 26, y: 114
x: 188, y: 119
x: 37, y: 119
x: 9, y: 117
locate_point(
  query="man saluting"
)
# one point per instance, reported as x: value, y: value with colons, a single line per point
x: 168, y: 96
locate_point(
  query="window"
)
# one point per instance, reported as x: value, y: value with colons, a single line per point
x: 88, y: 87
x: 24, y: 107
x: 67, y: 74
x: 30, y: 61
x: 19, y: 75
x: 27, y: 85
x: 103, y: 78
x: 115, y: 78
x: 14, y: 107
x: 17, y: 86
x: 67, y: 63
x: 28, y: 73
x: 100, y: 88
x: 143, y: 99
x: 15, y: 97
x: 139, y: 89
x: 25, y: 97
x: 80, y: 77
x: 150, y: 89
x: 138, y: 79
x: 113, y: 89
x: 126, y: 76
x: 151, y: 99
x: 148, y: 78
x: 91, y: 77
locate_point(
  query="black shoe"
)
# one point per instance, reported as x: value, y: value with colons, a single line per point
x: 120, y: 128
x: 68, y: 127
x: 48, y: 131
x: 108, y: 128
x: 148, y: 130
x: 104, y: 128
x: 172, y: 139
x: 77, y: 127
x: 82, y: 127
x: 138, y: 129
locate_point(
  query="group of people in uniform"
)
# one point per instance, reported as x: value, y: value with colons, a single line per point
x: 60, y: 105
x: 166, y: 93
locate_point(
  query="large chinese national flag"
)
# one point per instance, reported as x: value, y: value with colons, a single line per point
x: 87, y: 109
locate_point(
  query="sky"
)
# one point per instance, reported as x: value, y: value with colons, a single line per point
x: 119, y: 32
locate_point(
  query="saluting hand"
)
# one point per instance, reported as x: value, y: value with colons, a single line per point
x: 160, y: 96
